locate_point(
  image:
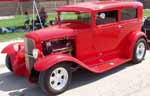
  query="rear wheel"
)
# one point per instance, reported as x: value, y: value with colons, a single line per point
x: 8, y: 63
x: 55, y: 80
x: 139, y: 51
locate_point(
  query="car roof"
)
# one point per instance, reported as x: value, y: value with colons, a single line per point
x: 98, y: 5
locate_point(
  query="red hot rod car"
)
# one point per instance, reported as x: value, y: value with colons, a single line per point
x: 97, y: 36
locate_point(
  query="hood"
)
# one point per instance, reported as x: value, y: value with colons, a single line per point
x: 58, y: 31
x: 52, y: 32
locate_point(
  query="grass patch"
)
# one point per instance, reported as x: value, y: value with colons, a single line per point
x: 11, y: 36
x: 19, y: 20
x: 147, y: 12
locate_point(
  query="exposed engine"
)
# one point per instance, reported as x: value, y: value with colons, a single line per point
x: 64, y: 45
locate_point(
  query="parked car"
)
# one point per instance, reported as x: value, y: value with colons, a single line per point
x: 96, y: 36
x: 146, y: 28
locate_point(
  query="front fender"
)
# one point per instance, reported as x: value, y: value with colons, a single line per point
x: 10, y: 51
x: 49, y: 61
x: 17, y: 59
x: 9, y: 48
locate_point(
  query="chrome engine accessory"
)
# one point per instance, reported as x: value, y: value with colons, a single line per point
x: 64, y: 46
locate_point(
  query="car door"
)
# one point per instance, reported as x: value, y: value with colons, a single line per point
x: 107, y: 31
x: 129, y: 21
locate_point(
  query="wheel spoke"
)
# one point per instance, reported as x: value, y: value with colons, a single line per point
x: 55, y: 85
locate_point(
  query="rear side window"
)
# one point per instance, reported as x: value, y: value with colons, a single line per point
x: 127, y: 14
x: 106, y: 17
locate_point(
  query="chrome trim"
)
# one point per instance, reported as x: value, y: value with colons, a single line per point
x: 29, y: 55
x: 29, y: 46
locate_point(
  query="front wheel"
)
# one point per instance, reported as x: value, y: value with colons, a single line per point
x: 8, y: 63
x: 139, y: 51
x: 55, y: 80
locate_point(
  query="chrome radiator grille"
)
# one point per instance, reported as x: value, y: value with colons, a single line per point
x: 29, y: 46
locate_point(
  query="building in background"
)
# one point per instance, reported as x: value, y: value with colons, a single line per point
x: 146, y: 3
x: 13, y: 8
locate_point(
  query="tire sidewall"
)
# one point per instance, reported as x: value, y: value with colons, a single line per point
x: 47, y: 87
x: 8, y: 63
x: 135, y: 59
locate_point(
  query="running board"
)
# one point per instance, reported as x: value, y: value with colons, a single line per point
x: 107, y: 65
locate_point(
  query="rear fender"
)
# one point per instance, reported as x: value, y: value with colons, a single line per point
x: 131, y: 41
x: 51, y: 60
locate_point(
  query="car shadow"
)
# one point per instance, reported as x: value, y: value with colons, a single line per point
x: 19, y: 86
x: 83, y: 77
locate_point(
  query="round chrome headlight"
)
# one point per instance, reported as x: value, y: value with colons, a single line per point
x: 35, y: 53
x: 16, y: 47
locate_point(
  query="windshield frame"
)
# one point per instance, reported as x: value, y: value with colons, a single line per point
x: 59, y: 18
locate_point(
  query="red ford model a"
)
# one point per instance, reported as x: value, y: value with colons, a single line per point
x: 97, y: 36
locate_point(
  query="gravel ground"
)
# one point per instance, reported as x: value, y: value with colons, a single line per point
x: 125, y: 80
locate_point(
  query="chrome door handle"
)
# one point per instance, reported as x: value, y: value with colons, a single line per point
x: 119, y: 26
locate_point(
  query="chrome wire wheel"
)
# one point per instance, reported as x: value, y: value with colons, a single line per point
x: 58, y: 78
x: 140, y: 51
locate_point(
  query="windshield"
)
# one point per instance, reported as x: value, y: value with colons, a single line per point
x: 82, y: 17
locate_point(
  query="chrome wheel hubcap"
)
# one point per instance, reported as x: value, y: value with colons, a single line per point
x: 140, y: 51
x: 58, y: 78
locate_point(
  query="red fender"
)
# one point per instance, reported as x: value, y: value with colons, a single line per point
x: 49, y: 61
x: 9, y: 48
x: 10, y: 51
x: 17, y: 59
x: 130, y: 45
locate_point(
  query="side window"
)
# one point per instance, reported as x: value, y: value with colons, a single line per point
x: 106, y: 17
x: 127, y: 14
